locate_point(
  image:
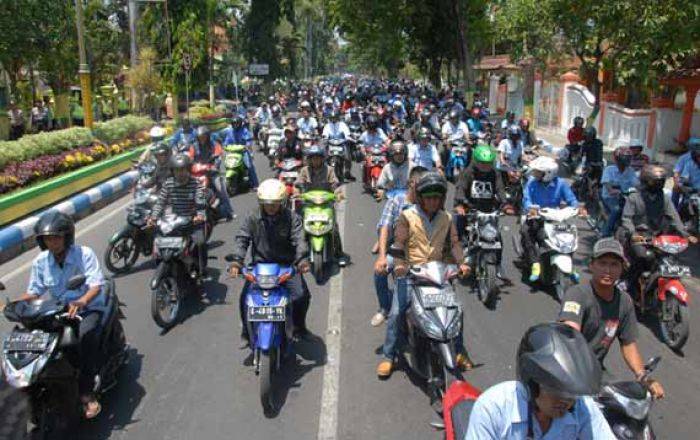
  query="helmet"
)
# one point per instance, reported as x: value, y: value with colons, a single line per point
x: 54, y: 223
x: 653, y: 177
x: 590, y: 132
x: 202, y: 130
x: 423, y: 133
x: 454, y: 114
x: 431, y: 183
x: 305, y: 105
x: 276, y: 109
x: 397, y: 147
x: 328, y: 100
x: 236, y: 121
x: 425, y: 114
x: 157, y: 133
x: 397, y: 104
x: 484, y: 154
x: 315, y: 150
x: 180, y: 161
x: 513, y: 131
x: 622, y: 156
x: 349, y: 96
x: 372, y: 122
x: 476, y: 112
x: 272, y: 191
x: 334, y: 115
x: 545, y: 165
x: 694, y: 145
x: 578, y: 121
x: 557, y: 357
x: 636, y: 143
x: 161, y: 148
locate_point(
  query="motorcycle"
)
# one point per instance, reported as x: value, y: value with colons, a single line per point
x: 459, y: 159
x: 484, y: 252
x: 236, y: 171
x: 269, y: 321
x: 561, y: 242
x: 571, y: 156
x: 288, y: 173
x: 662, y: 291
x: 40, y: 356
x: 274, y: 139
x: 355, y: 133
x: 319, y: 220
x: 336, y: 157
x: 375, y: 159
x: 177, y: 273
x: 457, y: 405
x: 626, y: 406
x: 434, y: 320
x: 690, y: 206
x: 135, y: 238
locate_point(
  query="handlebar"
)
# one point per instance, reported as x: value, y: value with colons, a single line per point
x: 67, y: 316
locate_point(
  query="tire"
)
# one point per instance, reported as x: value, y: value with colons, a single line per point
x: 339, y: 170
x: 121, y: 255
x: 267, y: 367
x: 14, y: 412
x: 232, y: 187
x: 674, y: 333
x: 488, y: 290
x: 319, y: 266
x: 168, y: 290
x: 562, y: 284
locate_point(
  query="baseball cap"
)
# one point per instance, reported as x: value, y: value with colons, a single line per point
x: 606, y: 246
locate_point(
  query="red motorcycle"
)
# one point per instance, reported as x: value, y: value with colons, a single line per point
x: 663, y: 292
x: 375, y: 159
x: 457, y: 405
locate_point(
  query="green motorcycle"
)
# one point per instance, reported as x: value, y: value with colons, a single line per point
x: 236, y: 171
x: 319, y: 222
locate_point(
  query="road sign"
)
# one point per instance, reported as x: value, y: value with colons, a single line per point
x: 187, y: 62
x: 258, y: 69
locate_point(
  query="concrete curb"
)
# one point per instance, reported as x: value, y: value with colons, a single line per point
x: 19, y: 237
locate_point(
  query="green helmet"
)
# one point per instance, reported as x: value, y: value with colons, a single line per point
x: 484, y: 154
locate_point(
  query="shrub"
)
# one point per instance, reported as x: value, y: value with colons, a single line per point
x: 48, y: 143
x: 120, y: 128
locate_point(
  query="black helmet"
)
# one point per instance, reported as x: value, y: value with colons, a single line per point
x: 430, y: 184
x: 334, y: 115
x: 425, y: 114
x: 180, y: 161
x: 653, y: 177
x: 236, y: 121
x: 578, y: 121
x: 55, y: 223
x: 372, y: 122
x: 513, y: 131
x: 161, y: 148
x: 454, y: 113
x: 558, y: 358
x: 590, y: 132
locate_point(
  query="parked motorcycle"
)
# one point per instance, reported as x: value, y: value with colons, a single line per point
x: 375, y: 159
x: 484, y: 252
x: 459, y: 159
x: 236, y: 171
x: 40, y: 356
x: 626, y: 406
x: 177, y: 273
x: 434, y: 320
x: 560, y: 245
x: 662, y: 291
x: 336, y: 157
x: 319, y: 221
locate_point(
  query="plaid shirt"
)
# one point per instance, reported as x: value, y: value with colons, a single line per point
x: 390, y: 213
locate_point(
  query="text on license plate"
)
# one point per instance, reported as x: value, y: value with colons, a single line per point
x: 439, y: 300
x: 266, y: 313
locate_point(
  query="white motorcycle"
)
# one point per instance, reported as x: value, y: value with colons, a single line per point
x: 274, y: 139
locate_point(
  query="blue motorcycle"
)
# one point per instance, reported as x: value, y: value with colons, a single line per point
x: 459, y: 159
x: 269, y: 320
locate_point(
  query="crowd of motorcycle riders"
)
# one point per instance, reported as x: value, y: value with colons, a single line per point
x: 411, y: 140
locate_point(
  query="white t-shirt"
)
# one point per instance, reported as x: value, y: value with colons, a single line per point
x: 455, y: 131
x: 512, y: 154
x: 338, y: 130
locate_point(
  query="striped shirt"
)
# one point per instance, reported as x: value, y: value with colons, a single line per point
x: 185, y: 200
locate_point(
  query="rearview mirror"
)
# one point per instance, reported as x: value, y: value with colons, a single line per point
x: 230, y: 258
x: 75, y: 282
x: 652, y: 363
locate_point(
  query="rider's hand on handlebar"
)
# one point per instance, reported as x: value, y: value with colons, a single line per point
x: 198, y: 219
x: 400, y: 270
x: 637, y: 238
x: 464, y: 270
x: 532, y: 213
x: 693, y: 239
x: 381, y: 266
x: 303, y: 267
x: 76, y: 306
x: 655, y: 388
x: 234, y: 270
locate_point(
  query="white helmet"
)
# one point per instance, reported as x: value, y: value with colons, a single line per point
x: 157, y: 133
x: 272, y: 191
x: 328, y: 100
x: 636, y: 143
x: 305, y: 104
x: 547, y: 166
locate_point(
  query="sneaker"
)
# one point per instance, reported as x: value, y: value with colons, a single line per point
x: 463, y: 362
x: 535, y: 272
x: 385, y: 368
x: 378, y: 319
x: 343, y: 260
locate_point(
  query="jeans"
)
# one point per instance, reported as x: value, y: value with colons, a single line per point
x: 89, y: 332
x: 250, y: 164
x: 381, y: 286
x: 531, y: 237
x: 612, y: 206
x: 221, y: 192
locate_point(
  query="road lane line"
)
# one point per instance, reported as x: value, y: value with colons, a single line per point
x: 79, y: 233
x: 328, y: 419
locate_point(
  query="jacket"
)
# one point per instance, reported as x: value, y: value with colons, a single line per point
x: 279, y: 239
x: 483, y: 191
x: 664, y: 218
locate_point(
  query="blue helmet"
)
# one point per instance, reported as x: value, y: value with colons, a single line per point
x: 315, y: 150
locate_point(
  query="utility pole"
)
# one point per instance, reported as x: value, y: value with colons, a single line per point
x: 133, y: 50
x: 84, y: 68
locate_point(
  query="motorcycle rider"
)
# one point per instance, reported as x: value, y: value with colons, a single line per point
x: 237, y: 134
x: 688, y: 168
x: 639, y: 159
x: 453, y: 128
x: 262, y: 116
x: 510, y: 153
x: 479, y: 186
x: 394, y: 174
x: 60, y: 259
x: 652, y: 208
x: 509, y: 120
x: 592, y: 151
x: 474, y: 121
x: 616, y: 180
x: 290, y: 147
x: 373, y: 135
x: 276, y: 121
x: 603, y: 312
x: 183, y: 135
x: 422, y: 233
x: 274, y: 235
x: 575, y: 137
x: 556, y: 375
x: 186, y: 198
x: 308, y: 125
x: 423, y: 153
x: 337, y: 129
x: 424, y: 121
x: 210, y: 151
x: 544, y: 189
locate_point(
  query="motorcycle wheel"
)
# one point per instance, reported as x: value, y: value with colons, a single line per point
x: 562, y: 284
x: 232, y: 187
x: 674, y: 331
x: 488, y: 290
x: 120, y: 256
x: 166, y: 301
x: 268, y: 363
x: 339, y: 170
x: 319, y: 266
x: 14, y: 409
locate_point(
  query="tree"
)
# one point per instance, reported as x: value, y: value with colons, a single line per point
x: 145, y: 79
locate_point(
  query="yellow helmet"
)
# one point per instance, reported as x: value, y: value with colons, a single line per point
x: 272, y: 191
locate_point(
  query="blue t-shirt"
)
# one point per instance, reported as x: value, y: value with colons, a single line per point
x: 612, y: 175
x: 548, y: 195
x: 690, y: 171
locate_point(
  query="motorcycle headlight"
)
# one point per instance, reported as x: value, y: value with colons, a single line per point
x: 25, y: 376
x: 318, y: 228
x: 455, y: 326
x: 431, y: 328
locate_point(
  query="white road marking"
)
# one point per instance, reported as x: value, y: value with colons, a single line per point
x: 328, y: 419
x: 80, y: 231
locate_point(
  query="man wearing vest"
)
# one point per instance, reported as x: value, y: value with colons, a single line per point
x: 423, y: 232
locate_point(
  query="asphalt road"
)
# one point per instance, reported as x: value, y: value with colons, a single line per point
x: 195, y: 383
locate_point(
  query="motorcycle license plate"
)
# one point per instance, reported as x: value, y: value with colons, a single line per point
x: 232, y: 161
x: 317, y: 218
x: 486, y: 245
x: 433, y: 300
x: 289, y: 175
x: 336, y: 150
x: 170, y: 242
x: 26, y: 341
x: 266, y: 313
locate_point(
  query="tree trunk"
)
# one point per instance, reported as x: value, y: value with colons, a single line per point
x: 434, y: 71
x: 465, y: 57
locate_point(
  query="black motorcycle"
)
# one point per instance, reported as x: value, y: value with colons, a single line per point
x: 336, y: 157
x: 484, y: 251
x: 40, y: 356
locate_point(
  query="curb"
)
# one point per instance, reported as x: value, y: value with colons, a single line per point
x: 19, y: 237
